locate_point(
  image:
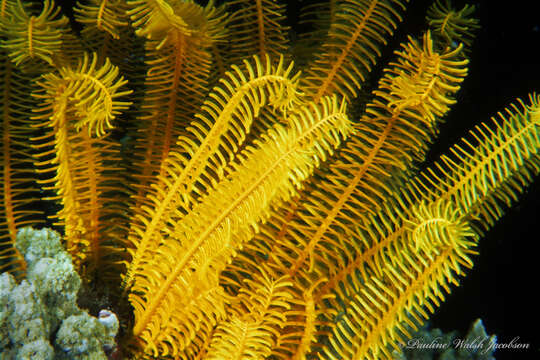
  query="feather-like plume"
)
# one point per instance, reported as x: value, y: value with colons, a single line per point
x: 486, y: 172
x: 401, y: 119
x: 451, y: 25
x: 438, y: 231
x: 28, y: 37
x: 19, y: 192
x: 426, y: 230
x: 102, y: 15
x: 381, y: 306
x: 5, y: 7
x: 352, y: 47
x: 207, y: 236
x: 19, y: 69
x: 178, y: 62
x: 314, y: 239
x: 263, y: 18
x: 77, y: 104
x: 252, y: 334
x: 92, y: 93
x: 317, y: 17
x: 164, y: 21
x: 214, y: 139
x: 253, y: 220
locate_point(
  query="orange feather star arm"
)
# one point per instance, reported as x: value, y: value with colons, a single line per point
x: 78, y: 105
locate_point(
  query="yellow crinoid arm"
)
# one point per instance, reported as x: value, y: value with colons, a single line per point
x: 155, y: 19
x: 29, y: 40
x: 412, y: 97
x: 251, y: 331
x: 312, y: 239
x: 19, y: 191
x: 352, y: 47
x: 425, y: 237
x: 106, y: 31
x: 103, y: 15
x: 203, y: 241
x: 212, y: 140
x: 452, y: 25
x: 5, y: 8
x: 92, y: 93
x: 178, y: 62
x: 29, y: 37
x: 487, y: 171
x: 76, y: 106
x: 256, y: 27
x: 163, y: 21
x: 418, y: 254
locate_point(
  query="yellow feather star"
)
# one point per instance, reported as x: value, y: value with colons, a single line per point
x: 239, y: 206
